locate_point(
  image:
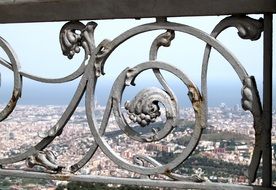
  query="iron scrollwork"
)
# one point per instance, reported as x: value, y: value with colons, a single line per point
x: 248, y: 28
x: 144, y: 108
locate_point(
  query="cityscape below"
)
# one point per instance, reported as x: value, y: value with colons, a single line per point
x: 223, y: 153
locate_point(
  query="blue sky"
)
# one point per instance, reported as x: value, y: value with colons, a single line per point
x: 38, y: 49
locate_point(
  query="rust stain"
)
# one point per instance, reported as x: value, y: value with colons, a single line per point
x: 195, y: 98
x: 196, y: 95
x: 61, y: 177
x: 167, y: 171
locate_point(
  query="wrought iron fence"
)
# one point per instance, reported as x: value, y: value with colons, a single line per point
x: 144, y: 108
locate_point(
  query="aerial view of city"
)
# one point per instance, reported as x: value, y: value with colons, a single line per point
x: 222, y: 155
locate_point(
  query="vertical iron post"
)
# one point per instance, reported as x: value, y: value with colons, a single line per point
x: 267, y: 101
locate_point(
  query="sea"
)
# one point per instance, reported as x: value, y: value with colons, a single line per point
x: 36, y: 93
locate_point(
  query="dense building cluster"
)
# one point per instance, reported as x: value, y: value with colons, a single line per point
x: 229, y: 136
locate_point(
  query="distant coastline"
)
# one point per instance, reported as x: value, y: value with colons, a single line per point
x: 61, y: 94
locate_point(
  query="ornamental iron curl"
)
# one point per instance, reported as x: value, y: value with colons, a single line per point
x: 46, y: 159
x: 144, y: 108
x: 248, y: 28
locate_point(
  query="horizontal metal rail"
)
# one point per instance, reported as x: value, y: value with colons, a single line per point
x: 128, y: 181
x: 50, y: 10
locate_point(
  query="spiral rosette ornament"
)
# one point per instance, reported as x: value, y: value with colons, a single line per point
x: 142, y: 112
x: 143, y: 109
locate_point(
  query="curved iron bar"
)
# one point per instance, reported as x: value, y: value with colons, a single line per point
x: 165, y: 41
x: 17, y: 85
x: 195, y: 178
x: 93, y: 70
x: 76, y: 74
x: 248, y: 28
x: 58, y: 127
x: 67, y: 78
x: 70, y: 42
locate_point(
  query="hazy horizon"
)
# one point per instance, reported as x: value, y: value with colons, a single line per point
x: 35, y: 93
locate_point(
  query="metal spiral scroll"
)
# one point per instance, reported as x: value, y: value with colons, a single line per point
x: 115, y: 99
x: 144, y: 108
x: 248, y: 28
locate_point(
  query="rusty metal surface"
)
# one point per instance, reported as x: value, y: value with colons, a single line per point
x: 144, y: 108
x: 50, y: 10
